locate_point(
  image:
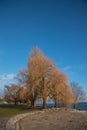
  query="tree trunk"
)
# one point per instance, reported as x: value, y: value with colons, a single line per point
x: 15, y: 102
x: 44, y: 102
x: 55, y: 104
x: 74, y: 106
x: 33, y: 103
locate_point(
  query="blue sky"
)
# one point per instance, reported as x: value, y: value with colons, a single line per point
x: 57, y: 27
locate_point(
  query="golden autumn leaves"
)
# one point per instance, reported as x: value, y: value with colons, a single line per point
x: 40, y: 80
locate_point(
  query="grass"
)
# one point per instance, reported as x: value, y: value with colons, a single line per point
x: 11, y: 110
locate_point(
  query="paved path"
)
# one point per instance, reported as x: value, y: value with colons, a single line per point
x: 3, y: 122
x: 55, y: 120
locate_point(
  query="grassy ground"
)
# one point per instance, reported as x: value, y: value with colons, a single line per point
x: 7, y: 111
x: 11, y: 110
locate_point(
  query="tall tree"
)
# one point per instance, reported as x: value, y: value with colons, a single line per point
x: 59, y: 88
x: 42, y: 79
x: 39, y: 68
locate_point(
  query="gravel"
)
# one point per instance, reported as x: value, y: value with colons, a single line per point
x: 55, y: 120
x: 3, y: 122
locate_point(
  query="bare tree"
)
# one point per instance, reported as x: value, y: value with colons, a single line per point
x: 1, y: 93
x: 78, y: 93
x: 23, y: 95
x: 11, y: 93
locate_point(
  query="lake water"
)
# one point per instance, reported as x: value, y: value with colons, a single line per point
x: 79, y: 106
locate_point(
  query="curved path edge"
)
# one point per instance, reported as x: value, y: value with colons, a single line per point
x: 13, y: 123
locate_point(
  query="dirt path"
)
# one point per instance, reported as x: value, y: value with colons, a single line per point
x: 55, y: 120
x: 3, y: 122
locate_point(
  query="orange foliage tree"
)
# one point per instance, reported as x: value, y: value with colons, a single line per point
x: 39, y: 68
x: 42, y: 79
x: 59, y: 90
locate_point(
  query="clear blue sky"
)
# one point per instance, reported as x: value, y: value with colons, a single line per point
x: 57, y: 27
